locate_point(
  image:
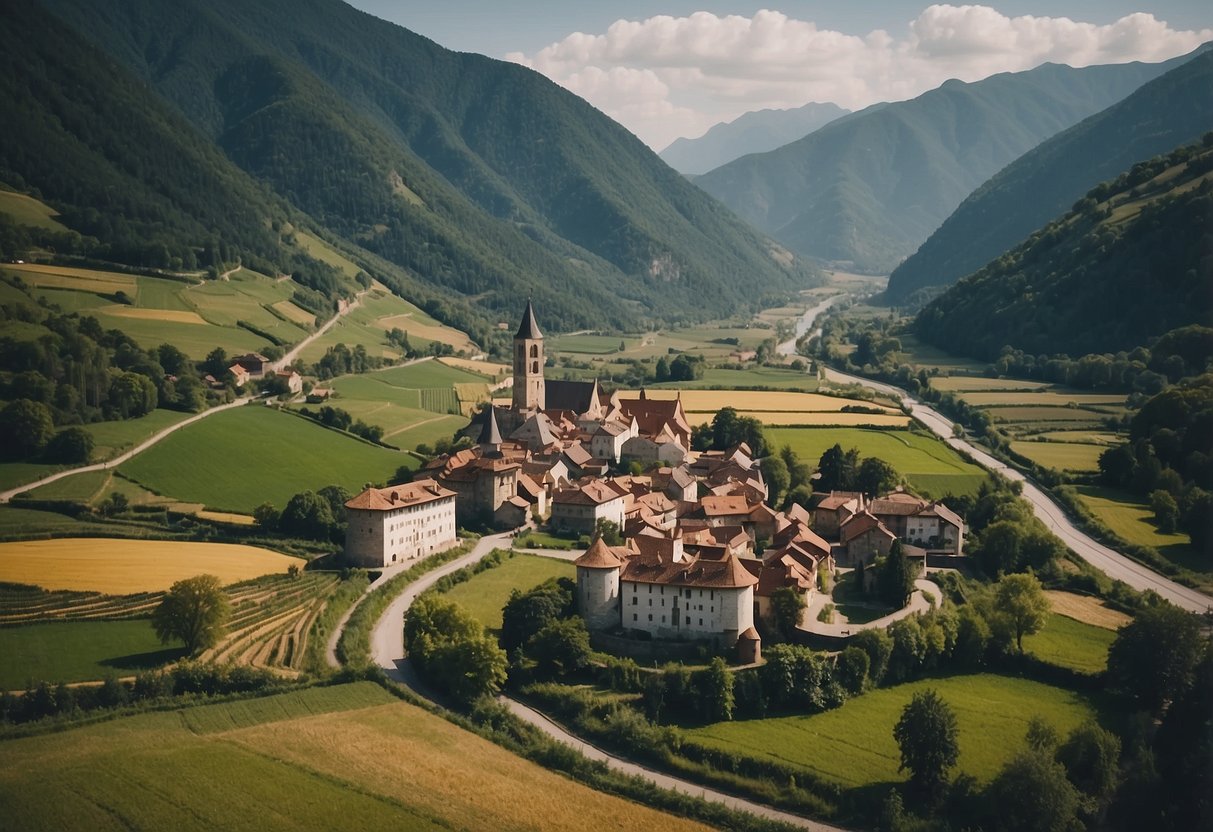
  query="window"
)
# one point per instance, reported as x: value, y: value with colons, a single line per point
x: 534, y: 366
x: 534, y: 350
x: 663, y: 619
x: 634, y: 616
x: 635, y: 600
x: 689, y: 621
x: 650, y: 616
x: 701, y: 622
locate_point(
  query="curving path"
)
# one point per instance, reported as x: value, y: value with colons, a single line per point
x: 387, y: 650
x: 6, y: 496
x: 925, y: 593
x: 1103, y: 558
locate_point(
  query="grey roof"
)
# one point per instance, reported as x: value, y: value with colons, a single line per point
x: 574, y: 396
x: 490, y: 434
x: 528, y: 328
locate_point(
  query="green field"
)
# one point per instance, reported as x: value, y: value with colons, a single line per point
x: 25, y: 210
x: 1061, y: 456
x: 1073, y: 644
x: 854, y: 746
x: 112, y: 438
x: 79, y: 651
x: 318, y: 759
x: 915, y: 352
x: 774, y: 378
x: 425, y: 374
x: 1044, y: 413
x: 78, y: 488
x: 931, y: 467
x: 587, y: 344
x: 13, y: 474
x: 238, y: 459
x: 378, y: 313
x: 956, y: 383
x: 1132, y: 520
x: 485, y: 594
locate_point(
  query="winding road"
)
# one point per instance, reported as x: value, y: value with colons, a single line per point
x: 285, y: 361
x: 387, y: 650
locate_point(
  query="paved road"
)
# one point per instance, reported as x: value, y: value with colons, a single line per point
x: 1107, y: 560
x: 387, y: 649
x: 6, y: 496
x: 918, y: 603
x: 345, y: 309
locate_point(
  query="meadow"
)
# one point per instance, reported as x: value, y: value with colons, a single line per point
x: 241, y: 458
x: 25, y: 210
x: 485, y: 594
x: 1050, y: 398
x: 1133, y: 520
x: 319, y: 758
x: 952, y: 384
x: 1078, y: 457
x: 79, y: 651
x: 771, y: 401
x: 751, y: 377
x: 854, y: 746
x: 1073, y: 644
x: 931, y: 467
x: 112, y: 438
x: 587, y: 344
x: 818, y: 419
x: 119, y: 567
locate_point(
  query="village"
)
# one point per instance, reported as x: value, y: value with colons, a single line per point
x: 702, y: 554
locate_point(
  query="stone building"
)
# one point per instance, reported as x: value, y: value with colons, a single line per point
x: 400, y: 523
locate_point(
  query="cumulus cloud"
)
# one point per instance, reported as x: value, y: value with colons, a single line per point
x: 665, y: 77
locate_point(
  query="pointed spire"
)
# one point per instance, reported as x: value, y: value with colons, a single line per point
x: 528, y: 328
x: 490, y: 434
x: 642, y: 395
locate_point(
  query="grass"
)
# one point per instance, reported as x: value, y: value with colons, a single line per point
x: 769, y: 401
x: 586, y: 344
x: 18, y: 522
x: 13, y: 474
x: 831, y: 418
x: 1073, y: 644
x: 120, y: 567
x: 854, y: 746
x: 1087, y: 609
x: 1061, y: 456
x: 236, y: 460
x: 1040, y: 397
x: 77, y: 651
x: 1133, y: 520
x: 25, y: 210
x: 931, y: 467
x: 485, y: 594
x: 378, y: 313
x: 320, y: 758
x: 78, y: 488
x: 426, y: 374
x: 915, y: 352
x: 1044, y: 414
x: 112, y: 438
x: 958, y: 383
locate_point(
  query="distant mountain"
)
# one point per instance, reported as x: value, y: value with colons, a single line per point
x: 1043, y: 183
x: 479, y: 181
x: 868, y: 189
x: 1132, y: 261
x: 754, y: 132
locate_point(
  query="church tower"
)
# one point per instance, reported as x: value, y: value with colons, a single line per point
x: 528, y: 364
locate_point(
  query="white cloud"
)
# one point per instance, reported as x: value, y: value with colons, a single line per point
x: 665, y: 77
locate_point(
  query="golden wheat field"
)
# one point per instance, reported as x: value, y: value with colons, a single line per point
x: 792, y: 419
x: 295, y: 314
x: 176, y: 316
x: 65, y: 277
x: 763, y: 401
x: 489, y: 368
x: 123, y: 567
x: 1086, y: 609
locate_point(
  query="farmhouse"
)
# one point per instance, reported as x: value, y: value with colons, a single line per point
x: 254, y: 362
x: 239, y: 375
x: 400, y: 523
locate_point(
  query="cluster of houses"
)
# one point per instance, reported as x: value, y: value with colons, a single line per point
x: 254, y: 365
x: 703, y: 553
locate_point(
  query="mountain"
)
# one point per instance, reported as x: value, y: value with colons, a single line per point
x: 754, y: 132
x: 1132, y: 261
x: 868, y: 189
x: 1043, y: 183
x: 479, y: 181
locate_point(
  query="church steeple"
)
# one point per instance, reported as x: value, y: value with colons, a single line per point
x: 528, y: 364
x: 490, y: 435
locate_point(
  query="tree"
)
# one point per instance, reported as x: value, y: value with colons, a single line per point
x: 452, y: 650
x: 526, y: 613
x: 852, y: 669
x: 307, y: 515
x: 266, y: 516
x: 1032, y: 794
x: 1091, y: 757
x: 1154, y: 656
x: 775, y: 472
x: 608, y: 530
x: 895, y: 580
x: 1022, y: 604
x: 875, y: 476
x: 926, y: 735
x: 1166, y: 511
x: 1041, y: 735
x: 561, y: 647
x: 70, y: 445
x: 26, y: 427
x: 195, y: 610
x: 879, y: 646
x: 132, y: 395
x: 716, y: 691
x: 787, y: 606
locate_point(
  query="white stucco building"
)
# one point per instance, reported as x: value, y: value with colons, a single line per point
x: 399, y: 523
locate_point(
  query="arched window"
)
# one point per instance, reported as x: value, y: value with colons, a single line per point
x: 534, y: 366
x: 534, y: 350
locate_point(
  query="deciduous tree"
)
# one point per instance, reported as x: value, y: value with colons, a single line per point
x: 195, y: 610
x: 926, y: 733
x: 1022, y: 604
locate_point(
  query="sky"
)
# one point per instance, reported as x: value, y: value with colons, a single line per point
x: 671, y: 69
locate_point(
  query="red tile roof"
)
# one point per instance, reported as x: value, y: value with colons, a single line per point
x: 398, y: 496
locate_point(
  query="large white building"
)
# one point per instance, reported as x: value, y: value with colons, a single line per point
x: 399, y: 523
x: 687, y: 598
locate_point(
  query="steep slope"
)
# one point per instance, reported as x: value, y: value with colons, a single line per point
x: 1133, y: 261
x: 1040, y: 185
x: 869, y: 189
x: 477, y: 175
x: 754, y: 132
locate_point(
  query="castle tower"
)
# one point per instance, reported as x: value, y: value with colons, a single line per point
x: 528, y: 364
x: 598, y: 573
x: 490, y: 435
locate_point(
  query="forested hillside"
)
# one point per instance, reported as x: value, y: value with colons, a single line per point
x: 868, y: 189
x: 1040, y: 185
x: 478, y: 177
x: 1132, y: 261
